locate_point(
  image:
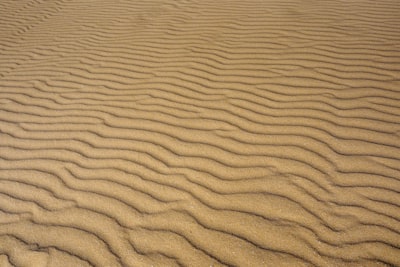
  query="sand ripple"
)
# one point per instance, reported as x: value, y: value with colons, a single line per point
x: 199, y: 133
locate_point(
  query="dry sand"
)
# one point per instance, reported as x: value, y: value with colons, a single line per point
x: 199, y: 133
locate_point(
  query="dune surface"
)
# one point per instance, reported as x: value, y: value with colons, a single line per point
x: 199, y: 133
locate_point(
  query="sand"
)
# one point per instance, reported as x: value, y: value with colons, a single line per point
x: 199, y: 133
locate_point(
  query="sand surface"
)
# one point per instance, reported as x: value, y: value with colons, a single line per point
x: 199, y: 133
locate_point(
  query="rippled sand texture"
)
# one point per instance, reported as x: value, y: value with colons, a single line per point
x: 199, y: 133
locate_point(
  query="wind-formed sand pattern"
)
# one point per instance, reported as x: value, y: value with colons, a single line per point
x: 199, y: 133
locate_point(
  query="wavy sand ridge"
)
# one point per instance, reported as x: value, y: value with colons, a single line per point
x: 199, y: 133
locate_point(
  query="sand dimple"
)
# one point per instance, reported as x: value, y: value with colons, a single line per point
x: 199, y: 133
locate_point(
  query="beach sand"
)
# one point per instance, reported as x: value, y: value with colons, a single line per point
x: 199, y: 133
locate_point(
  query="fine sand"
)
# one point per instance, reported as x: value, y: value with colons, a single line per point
x: 199, y: 133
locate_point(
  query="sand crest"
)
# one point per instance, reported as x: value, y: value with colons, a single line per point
x: 199, y: 133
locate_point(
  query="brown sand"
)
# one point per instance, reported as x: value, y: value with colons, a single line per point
x: 199, y: 133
